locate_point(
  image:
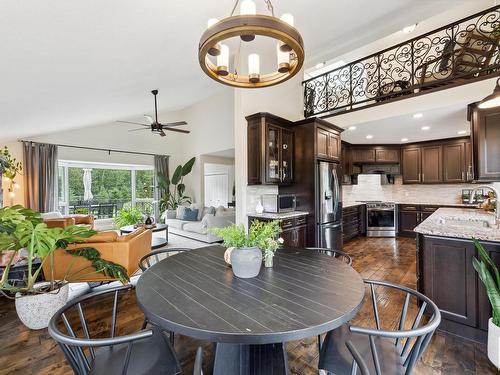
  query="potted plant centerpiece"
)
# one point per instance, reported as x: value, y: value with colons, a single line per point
x: 490, y: 276
x: 244, y: 252
x: 23, y: 230
x: 244, y: 255
x: 266, y: 237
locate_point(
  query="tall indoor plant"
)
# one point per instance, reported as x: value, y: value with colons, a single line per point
x: 173, y: 189
x: 23, y: 230
x: 490, y: 276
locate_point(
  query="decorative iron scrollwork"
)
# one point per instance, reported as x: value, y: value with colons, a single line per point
x: 455, y: 54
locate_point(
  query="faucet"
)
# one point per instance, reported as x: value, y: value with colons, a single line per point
x: 497, y: 197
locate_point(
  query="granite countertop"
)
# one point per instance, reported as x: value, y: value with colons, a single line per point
x: 461, y: 223
x: 278, y: 216
x: 464, y: 205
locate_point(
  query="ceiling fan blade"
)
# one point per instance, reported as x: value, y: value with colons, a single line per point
x: 177, y: 130
x: 178, y: 123
x: 149, y: 118
x: 134, y: 130
x: 135, y: 123
x: 162, y: 133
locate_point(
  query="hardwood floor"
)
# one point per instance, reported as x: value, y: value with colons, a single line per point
x: 33, y: 352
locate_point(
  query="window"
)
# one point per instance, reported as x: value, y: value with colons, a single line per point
x: 102, y: 189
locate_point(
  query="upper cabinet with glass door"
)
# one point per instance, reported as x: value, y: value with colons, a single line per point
x: 270, y: 150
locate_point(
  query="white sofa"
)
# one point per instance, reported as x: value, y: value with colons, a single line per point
x: 200, y: 229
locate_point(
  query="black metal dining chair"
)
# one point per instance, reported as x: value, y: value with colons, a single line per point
x: 344, y: 257
x: 143, y: 352
x: 149, y: 260
x: 350, y: 348
x: 333, y: 253
x: 155, y: 256
x: 198, y: 362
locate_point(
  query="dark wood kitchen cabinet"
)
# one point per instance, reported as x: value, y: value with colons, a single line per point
x: 446, y: 275
x: 386, y: 155
x: 411, y: 167
x: 443, y: 161
x: 363, y: 155
x: 328, y: 144
x: 270, y: 149
x: 353, y: 222
x: 375, y: 154
x: 293, y: 230
x: 411, y: 215
x: 432, y: 164
x: 486, y: 143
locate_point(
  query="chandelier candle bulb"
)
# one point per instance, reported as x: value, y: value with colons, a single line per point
x: 283, y: 60
x: 287, y: 18
x: 247, y: 7
x: 223, y: 60
x: 215, y: 49
x: 253, y: 67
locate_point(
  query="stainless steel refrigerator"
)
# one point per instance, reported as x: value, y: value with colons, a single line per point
x: 329, y: 206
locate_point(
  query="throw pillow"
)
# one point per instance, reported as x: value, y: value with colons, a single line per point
x: 180, y: 212
x: 220, y: 211
x: 199, y: 207
x: 171, y: 214
x: 190, y: 214
x: 204, y: 222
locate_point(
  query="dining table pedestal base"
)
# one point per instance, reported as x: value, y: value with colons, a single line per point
x: 241, y: 359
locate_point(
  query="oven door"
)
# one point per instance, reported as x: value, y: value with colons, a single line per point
x: 381, y: 219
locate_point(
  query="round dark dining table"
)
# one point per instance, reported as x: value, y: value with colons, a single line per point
x: 196, y: 294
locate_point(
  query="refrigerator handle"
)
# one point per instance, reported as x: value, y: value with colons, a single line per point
x: 337, y: 191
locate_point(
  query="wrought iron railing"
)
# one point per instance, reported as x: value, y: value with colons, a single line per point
x: 459, y: 53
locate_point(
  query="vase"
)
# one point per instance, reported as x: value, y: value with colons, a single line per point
x: 259, y: 208
x: 36, y: 310
x: 494, y: 343
x: 268, y: 260
x: 246, y: 261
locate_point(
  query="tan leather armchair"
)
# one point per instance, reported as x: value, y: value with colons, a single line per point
x: 83, y: 220
x: 124, y: 250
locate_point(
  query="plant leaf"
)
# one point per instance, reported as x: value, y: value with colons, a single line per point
x: 176, y: 177
x: 484, y: 255
x: 186, y: 169
x: 180, y: 189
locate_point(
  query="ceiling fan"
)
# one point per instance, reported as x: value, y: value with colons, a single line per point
x: 154, y: 125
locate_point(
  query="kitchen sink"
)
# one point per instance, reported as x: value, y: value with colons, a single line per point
x: 466, y: 221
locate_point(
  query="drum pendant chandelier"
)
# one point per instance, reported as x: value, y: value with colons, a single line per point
x: 213, y: 52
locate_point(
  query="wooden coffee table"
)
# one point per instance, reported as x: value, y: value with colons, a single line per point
x: 157, y: 242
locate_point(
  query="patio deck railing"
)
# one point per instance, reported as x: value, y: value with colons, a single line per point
x: 459, y: 53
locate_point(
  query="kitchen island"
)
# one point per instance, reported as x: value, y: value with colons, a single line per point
x: 445, y: 272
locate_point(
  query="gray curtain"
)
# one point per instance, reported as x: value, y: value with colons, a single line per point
x: 161, y: 168
x: 40, y: 176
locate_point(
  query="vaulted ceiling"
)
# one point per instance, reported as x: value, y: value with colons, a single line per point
x: 68, y: 64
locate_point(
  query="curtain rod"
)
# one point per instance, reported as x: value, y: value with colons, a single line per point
x: 93, y: 148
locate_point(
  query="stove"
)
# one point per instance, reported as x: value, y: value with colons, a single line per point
x: 381, y: 219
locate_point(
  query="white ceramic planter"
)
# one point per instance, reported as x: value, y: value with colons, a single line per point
x: 494, y: 343
x: 35, y: 310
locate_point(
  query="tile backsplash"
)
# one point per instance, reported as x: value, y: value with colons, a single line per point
x: 254, y: 193
x: 369, y: 188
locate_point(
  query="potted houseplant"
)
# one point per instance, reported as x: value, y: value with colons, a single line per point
x: 9, y: 168
x: 127, y: 215
x: 245, y: 257
x: 266, y: 237
x: 172, y: 190
x: 22, y: 229
x: 490, y: 276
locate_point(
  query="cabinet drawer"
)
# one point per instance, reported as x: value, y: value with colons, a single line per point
x: 301, y: 220
x: 429, y: 208
x: 410, y: 207
x: 287, y: 223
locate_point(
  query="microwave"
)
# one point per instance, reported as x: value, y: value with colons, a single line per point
x: 279, y: 202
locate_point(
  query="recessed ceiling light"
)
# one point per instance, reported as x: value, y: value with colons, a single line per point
x: 418, y: 115
x: 319, y: 65
x: 409, y: 29
x: 462, y: 132
x: 404, y: 139
x: 351, y: 128
x: 425, y: 127
x: 369, y: 136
